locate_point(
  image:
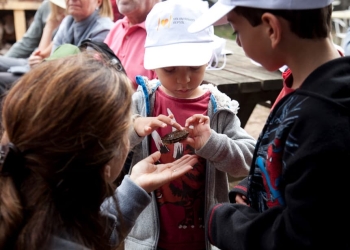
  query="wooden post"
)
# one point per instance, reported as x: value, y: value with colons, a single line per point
x: 20, y: 23
x: 19, y: 8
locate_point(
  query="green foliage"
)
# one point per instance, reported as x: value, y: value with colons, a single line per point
x: 224, y: 31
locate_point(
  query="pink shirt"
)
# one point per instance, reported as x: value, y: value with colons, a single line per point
x: 181, y: 201
x: 128, y: 42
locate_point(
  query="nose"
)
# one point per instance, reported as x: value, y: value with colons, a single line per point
x: 183, y: 78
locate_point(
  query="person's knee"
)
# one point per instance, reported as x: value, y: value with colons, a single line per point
x: 7, y: 80
x: 7, y: 62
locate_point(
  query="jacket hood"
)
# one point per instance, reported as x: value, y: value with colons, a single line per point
x: 330, y: 81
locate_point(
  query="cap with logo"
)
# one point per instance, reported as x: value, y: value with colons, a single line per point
x: 168, y: 42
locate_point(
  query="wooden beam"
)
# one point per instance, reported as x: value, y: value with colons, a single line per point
x: 20, y: 5
x: 20, y: 23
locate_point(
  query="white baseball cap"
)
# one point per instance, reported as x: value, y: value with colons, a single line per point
x: 219, y: 10
x: 168, y: 43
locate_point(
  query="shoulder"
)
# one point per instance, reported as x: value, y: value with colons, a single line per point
x: 147, y: 86
x: 58, y: 243
x: 64, y: 26
x: 221, y: 100
x: 45, y: 6
x: 105, y: 22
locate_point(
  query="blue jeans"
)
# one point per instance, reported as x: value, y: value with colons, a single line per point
x: 7, y: 62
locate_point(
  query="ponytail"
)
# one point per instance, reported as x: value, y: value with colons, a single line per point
x: 11, y: 212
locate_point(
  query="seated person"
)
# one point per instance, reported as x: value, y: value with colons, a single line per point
x: 127, y: 38
x: 90, y: 19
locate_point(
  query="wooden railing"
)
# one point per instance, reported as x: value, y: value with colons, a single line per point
x: 19, y: 8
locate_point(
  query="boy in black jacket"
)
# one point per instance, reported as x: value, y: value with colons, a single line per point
x: 298, y: 181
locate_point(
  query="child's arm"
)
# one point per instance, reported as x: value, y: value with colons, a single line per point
x: 200, y: 131
x: 238, y: 194
x: 229, y: 149
x: 144, y: 126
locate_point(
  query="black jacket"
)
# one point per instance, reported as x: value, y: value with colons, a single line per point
x: 298, y: 184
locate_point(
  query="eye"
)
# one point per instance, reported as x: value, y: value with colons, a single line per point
x: 195, y: 68
x: 169, y: 69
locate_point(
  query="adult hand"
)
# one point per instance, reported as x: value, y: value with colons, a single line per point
x: 35, y: 58
x: 199, y: 129
x: 150, y: 176
x: 146, y: 125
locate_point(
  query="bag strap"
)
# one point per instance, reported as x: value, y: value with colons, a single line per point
x: 104, y: 49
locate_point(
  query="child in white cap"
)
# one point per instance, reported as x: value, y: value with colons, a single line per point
x: 178, y: 99
x: 298, y: 181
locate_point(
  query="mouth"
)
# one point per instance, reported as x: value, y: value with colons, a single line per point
x: 183, y: 90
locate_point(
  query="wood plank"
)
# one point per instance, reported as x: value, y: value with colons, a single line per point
x: 20, y: 5
x: 244, y: 81
x: 342, y: 14
x: 227, y: 77
x: 20, y: 23
x: 19, y: 8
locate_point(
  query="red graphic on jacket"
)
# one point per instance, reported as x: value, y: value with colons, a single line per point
x: 271, y: 169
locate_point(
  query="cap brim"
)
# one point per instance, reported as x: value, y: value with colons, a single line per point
x: 215, y: 15
x: 60, y: 3
x: 181, y: 54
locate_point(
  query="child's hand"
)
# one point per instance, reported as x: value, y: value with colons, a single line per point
x: 198, y: 126
x: 150, y: 176
x: 146, y: 125
x: 241, y: 199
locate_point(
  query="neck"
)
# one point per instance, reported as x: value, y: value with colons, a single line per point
x: 136, y: 19
x: 308, y: 55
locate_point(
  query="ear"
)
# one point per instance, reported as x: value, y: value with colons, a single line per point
x: 107, y: 172
x: 273, y: 26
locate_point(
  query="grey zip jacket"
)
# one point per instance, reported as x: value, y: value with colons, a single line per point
x: 229, y: 150
x: 121, y: 215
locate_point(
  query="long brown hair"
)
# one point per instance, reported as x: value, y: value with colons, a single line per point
x: 68, y: 117
x: 106, y: 9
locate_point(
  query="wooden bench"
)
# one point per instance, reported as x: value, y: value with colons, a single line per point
x: 245, y: 82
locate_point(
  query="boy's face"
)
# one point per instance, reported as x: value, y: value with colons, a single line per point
x: 255, y: 41
x: 181, y: 81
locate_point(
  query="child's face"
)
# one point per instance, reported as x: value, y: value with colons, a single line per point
x: 255, y: 41
x: 181, y: 81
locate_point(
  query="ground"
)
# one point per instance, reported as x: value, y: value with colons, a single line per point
x: 257, y: 120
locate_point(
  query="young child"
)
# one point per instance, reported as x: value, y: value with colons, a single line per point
x: 306, y: 134
x: 175, y: 219
x: 65, y: 141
